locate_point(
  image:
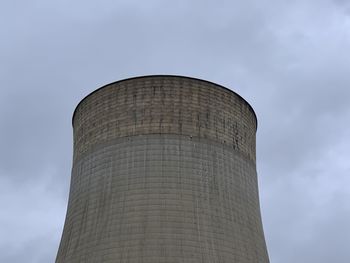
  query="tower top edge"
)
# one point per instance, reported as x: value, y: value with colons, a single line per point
x: 168, y: 76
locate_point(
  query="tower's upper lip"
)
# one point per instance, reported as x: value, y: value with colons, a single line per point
x: 167, y: 76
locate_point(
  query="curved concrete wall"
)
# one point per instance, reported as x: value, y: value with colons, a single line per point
x: 163, y: 171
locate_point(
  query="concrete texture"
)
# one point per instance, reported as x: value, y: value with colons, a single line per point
x: 164, y: 171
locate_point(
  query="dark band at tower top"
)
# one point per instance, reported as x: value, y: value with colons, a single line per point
x: 165, y: 76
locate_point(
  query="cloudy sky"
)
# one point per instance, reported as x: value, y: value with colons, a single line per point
x: 289, y: 59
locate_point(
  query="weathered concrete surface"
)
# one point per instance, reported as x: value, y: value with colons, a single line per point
x: 164, y: 171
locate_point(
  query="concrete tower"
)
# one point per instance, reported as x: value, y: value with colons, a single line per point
x: 163, y: 171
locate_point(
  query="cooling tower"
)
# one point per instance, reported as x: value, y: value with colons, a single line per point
x: 163, y: 171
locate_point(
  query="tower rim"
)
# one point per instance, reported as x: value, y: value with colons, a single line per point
x: 167, y: 76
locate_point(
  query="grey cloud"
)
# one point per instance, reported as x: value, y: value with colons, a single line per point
x: 288, y: 59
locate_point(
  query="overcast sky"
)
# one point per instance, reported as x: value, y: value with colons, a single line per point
x: 288, y: 59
